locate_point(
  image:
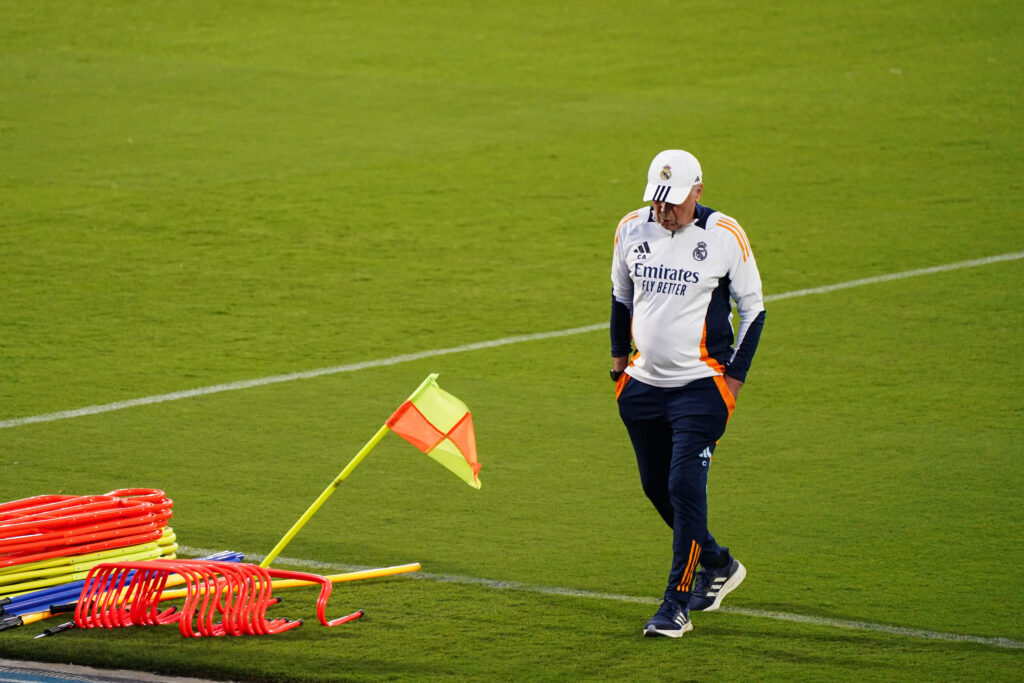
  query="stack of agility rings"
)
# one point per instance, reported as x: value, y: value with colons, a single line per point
x: 49, y: 543
x: 111, y: 560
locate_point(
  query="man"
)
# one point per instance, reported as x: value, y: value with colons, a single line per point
x: 676, y: 266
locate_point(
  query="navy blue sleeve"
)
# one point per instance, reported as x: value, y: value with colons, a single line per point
x: 740, y: 363
x: 621, y: 329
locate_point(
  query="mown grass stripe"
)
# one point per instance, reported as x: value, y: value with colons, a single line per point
x: 618, y: 597
x: 405, y: 358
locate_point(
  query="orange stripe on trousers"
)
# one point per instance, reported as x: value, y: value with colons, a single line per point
x: 691, y: 565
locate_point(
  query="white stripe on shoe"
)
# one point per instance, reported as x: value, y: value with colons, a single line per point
x: 723, y: 585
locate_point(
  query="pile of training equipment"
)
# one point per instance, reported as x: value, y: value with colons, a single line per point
x: 49, y: 543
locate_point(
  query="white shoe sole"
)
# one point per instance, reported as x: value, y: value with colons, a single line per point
x: 734, y: 581
x: 650, y: 632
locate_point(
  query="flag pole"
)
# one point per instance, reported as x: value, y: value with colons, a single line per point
x: 325, y: 495
x: 338, y: 479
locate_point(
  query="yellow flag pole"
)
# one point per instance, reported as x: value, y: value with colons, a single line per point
x: 325, y: 495
x: 340, y: 478
x: 333, y: 578
x: 351, y: 576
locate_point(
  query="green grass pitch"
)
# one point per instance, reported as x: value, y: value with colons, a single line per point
x: 199, y: 193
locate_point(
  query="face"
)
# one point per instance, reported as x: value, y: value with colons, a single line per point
x: 674, y: 216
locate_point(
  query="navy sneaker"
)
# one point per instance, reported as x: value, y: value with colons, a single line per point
x: 671, y: 620
x: 714, y: 584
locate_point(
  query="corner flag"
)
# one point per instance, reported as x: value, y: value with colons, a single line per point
x: 433, y: 421
x: 441, y: 426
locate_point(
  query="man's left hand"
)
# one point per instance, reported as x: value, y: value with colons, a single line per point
x: 734, y: 385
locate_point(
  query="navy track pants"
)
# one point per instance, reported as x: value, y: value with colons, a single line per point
x: 674, y: 432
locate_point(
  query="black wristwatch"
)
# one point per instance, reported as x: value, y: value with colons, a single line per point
x: 616, y: 374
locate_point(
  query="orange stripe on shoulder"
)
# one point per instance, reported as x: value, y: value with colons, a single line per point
x: 625, y: 219
x: 733, y: 224
x: 737, y: 232
x: 628, y: 217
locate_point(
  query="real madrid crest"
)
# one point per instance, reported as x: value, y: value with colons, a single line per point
x: 701, y: 252
x: 666, y: 172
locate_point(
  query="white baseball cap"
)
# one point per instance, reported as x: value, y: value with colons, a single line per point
x: 672, y: 175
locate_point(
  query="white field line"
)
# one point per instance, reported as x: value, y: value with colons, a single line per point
x: 616, y: 597
x: 405, y: 358
x: 973, y: 263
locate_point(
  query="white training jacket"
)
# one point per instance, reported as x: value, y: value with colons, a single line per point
x: 678, y: 287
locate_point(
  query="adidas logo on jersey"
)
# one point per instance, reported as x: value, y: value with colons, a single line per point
x: 643, y: 250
